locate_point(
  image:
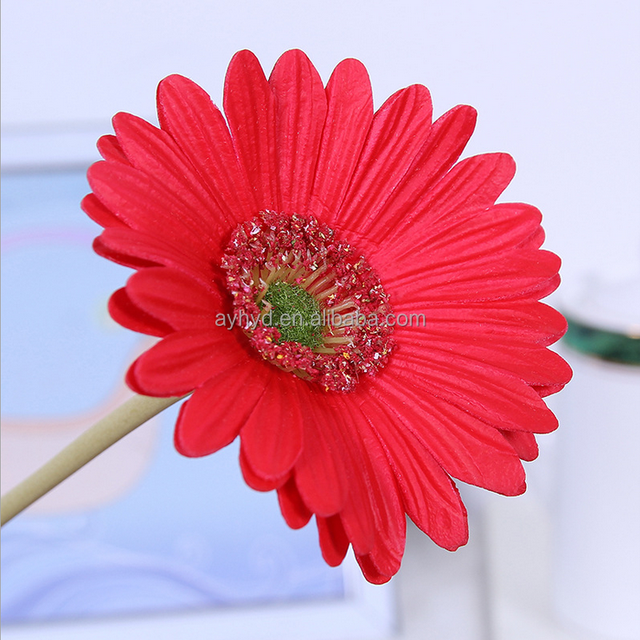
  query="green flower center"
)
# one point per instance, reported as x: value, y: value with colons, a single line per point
x: 294, y: 312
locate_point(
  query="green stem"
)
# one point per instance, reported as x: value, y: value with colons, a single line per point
x: 84, y: 448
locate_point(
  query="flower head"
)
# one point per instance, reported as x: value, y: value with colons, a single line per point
x: 338, y: 292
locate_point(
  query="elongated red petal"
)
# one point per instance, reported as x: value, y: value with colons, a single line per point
x: 146, y: 204
x: 523, y: 443
x: 370, y: 571
x: 496, y: 397
x: 399, y: 128
x: 319, y: 471
x: 473, y: 184
x: 272, y: 435
x: 537, y: 366
x: 467, y: 448
x: 126, y: 313
x: 292, y: 506
x: 156, y: 154
x: 429, y: 495
x: 474, y: 234
x: 138, y: 249
x: 333, y: 540
x: 520, y: 323
x: 111, y: 150
x: 199, y: 129
x: 99, y: 213
x: 524, y: 274
x: 301, y: 108
x: 349, y: 117
x: 212, y: 417
x: 447, y: 138
x: 183, y: 361
x: 373, y: 517
x: 254, y: 480
x: 250, y: 108
x: 180, y: 301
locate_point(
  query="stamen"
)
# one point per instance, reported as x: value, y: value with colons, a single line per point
x: 336, y: 340
x: 327, y: 293
x: 306, y: 283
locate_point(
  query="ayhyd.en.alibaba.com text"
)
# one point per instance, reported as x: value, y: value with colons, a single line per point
x: 326, y: 318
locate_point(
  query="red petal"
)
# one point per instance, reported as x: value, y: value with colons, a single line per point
x: 272, y: 436
x: 112, y: 253
x: 183, y: 361
x: 473, y: 235
x: 254, y: 480
x: 349, y: 116
x: 333, y: 540
x: 447, y: 138
x: 301, y: 108
x: 188, y: 114
x: 373, y: 516
x: 293, y: 508
x: 127, y: 314
x: 476, y: 252
x: 399, y: 129
x: 466, y: 448
x: 179, y: 300
x: 429, y: 495
x: 212, y: 417
x: 138, y: 249
x: 145, y: 204
x: 319, y: 471
x: 517, y: 322
x: 370, y: 571
x: 548, y: 389
x: 249, y: 106
x: 536, y: 365
x: 536, y: 240
x: 99, y: 213
x: 472, y: 185
x: 156, y: 154
x: 523, y: 443
x: 517, y: 275
x: 496, y: 397
x: 110, y: 149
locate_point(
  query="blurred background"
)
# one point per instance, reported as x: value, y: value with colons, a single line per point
x: 557, y: 85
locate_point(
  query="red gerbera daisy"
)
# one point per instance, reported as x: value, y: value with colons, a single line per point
x: 305, y: 204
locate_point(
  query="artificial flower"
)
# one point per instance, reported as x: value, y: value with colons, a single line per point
x: 302, y: 201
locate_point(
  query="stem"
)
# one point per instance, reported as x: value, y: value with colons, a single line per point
x: 84, y: 448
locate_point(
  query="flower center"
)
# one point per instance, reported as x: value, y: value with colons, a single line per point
x: 308, y: 302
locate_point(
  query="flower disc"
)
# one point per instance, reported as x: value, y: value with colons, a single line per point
x: 343, y: 331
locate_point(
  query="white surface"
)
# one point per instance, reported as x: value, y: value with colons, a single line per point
x: 555, y: 83
x: 442, y: 595
x: 597, y: 581
x: 46, y: 148
x: 519, y: 537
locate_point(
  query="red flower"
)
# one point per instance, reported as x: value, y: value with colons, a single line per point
x: 304, y: 200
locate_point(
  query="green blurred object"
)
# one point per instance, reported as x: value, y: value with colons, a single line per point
x: 607, y: 345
